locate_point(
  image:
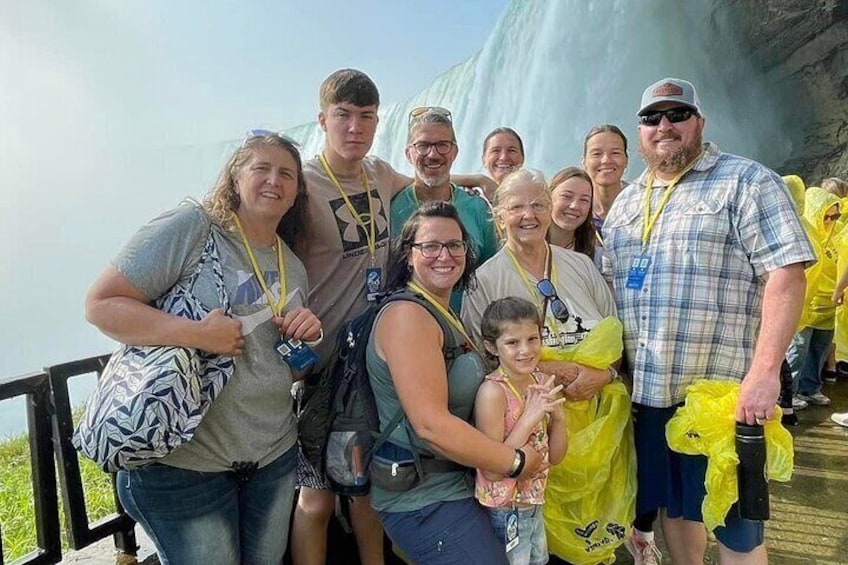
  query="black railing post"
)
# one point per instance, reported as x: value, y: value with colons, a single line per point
x: 34, y: 387
x: 80, y: 532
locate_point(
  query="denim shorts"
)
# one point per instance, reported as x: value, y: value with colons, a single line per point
x: 674, y: 481
x: 212, y: 518
x: 532, y: 548
x: 445, y: 533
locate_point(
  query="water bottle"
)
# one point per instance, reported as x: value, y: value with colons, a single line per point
x: 357, y: 456
x: 751, y: 472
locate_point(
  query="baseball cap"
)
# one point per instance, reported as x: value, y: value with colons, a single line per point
x: 670, y: 90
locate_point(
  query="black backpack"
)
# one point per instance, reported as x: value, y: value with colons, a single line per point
x: 353, y: 425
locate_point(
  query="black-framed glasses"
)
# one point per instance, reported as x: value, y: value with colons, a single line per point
x: 420, y: 111
x: 558, y: 307
x: 674, y: 115
x: 432, y: 249
x: 422, y: 148
x: 258, y: 132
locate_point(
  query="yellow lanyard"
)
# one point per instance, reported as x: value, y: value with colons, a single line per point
x: 650, y: 220
x: 370, y: 231
x: 517, y: 393
x: 415, y: 195
x: 550, y: 271
x: 449, y: 316
x: 281, y: 267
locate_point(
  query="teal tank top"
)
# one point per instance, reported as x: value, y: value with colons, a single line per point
x: 464, y: 378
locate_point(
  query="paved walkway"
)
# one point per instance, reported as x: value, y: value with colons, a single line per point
x: 809, y: 522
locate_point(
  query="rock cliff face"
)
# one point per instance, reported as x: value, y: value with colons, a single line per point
x: 802, y: 46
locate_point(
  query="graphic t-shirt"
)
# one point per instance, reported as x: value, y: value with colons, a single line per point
x: 334, y: 247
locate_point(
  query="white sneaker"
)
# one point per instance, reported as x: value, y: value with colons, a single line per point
x: 840, y: 418
x: 817, y: 398
x: 644, y: 552
x: 798, y: 403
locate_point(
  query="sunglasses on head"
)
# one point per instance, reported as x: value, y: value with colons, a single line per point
x: 421, y: 111
x: 674, y: 115
x: 252, y: 133
x: 558, y: 307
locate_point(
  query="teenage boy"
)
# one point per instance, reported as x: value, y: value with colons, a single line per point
x: 344, y: 246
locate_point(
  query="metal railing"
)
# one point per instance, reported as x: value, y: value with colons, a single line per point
x: 50, y: 426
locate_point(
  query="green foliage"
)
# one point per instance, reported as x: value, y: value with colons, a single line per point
x: 17, y: 514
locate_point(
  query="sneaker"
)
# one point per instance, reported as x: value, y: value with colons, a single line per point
x: 798, y: 403
x: 840, y: 418
x: 644, y: 552
x: 817, y: 398
x: 828, y: 375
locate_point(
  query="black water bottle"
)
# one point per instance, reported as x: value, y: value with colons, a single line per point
x: 752, y: 472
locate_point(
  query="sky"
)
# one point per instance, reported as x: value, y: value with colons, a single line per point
x: 91, y: 90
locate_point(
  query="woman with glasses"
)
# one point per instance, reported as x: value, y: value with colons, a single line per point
x: 567, y: 288
x: 226, y: 496
x: 435, y: 519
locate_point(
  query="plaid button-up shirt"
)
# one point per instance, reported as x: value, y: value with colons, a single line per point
x: 727, y: 224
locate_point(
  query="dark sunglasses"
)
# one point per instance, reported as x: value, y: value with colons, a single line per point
x: 674, y: 115
x: 558, y: 307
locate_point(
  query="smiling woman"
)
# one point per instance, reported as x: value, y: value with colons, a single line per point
x: 202, y: 491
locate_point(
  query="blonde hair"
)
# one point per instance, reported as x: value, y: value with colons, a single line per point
x: 223, y: 200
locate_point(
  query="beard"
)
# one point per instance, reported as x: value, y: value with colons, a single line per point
x: 674, y: 162
x: 433, y: 181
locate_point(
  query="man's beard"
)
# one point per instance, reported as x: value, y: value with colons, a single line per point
x: 434, y: 181
x: 671, y: 164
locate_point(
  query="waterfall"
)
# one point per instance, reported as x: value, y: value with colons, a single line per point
x: 551, y: 69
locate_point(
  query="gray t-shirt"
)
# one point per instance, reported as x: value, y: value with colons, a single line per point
x: 252, y: 419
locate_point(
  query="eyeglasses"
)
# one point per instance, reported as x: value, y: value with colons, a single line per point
x: 832, y: 217
x: 252, y: 133
x: 421, y: 111
x: 538, y: 208
x: 558, y: 307
x: 422, y: 148
x: 674, y: 115
x: 432, y: 249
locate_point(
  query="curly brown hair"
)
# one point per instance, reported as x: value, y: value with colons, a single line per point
x: 223, y: 200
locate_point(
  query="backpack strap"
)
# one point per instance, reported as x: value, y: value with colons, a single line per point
x: 450, y: 351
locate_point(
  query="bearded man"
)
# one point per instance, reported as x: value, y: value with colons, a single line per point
x: 707, y: 257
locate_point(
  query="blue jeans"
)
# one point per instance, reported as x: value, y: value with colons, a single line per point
x: 532, y: 548
x: 212, y: 518
x: 445, y: 533
x: 806, y: 355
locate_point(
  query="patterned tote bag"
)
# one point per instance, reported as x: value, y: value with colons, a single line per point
x: 150, y: 399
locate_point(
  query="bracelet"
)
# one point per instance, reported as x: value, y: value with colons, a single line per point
x: 517, y: 464
x: 613, y: 374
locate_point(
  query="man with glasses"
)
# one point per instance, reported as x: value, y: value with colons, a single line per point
x: 707, y: 258
x: 431, y: 149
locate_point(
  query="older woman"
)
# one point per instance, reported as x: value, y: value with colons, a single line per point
x: 437, y: 520
x: 566, y: 286
x: 226, y: 496
x: 571, y: 195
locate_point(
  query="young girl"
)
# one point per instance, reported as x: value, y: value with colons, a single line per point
x: 519, y: 406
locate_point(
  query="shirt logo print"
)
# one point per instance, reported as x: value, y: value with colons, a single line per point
x: 351, y: 233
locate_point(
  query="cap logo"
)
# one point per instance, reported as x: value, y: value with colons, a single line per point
x: 667, y: 89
